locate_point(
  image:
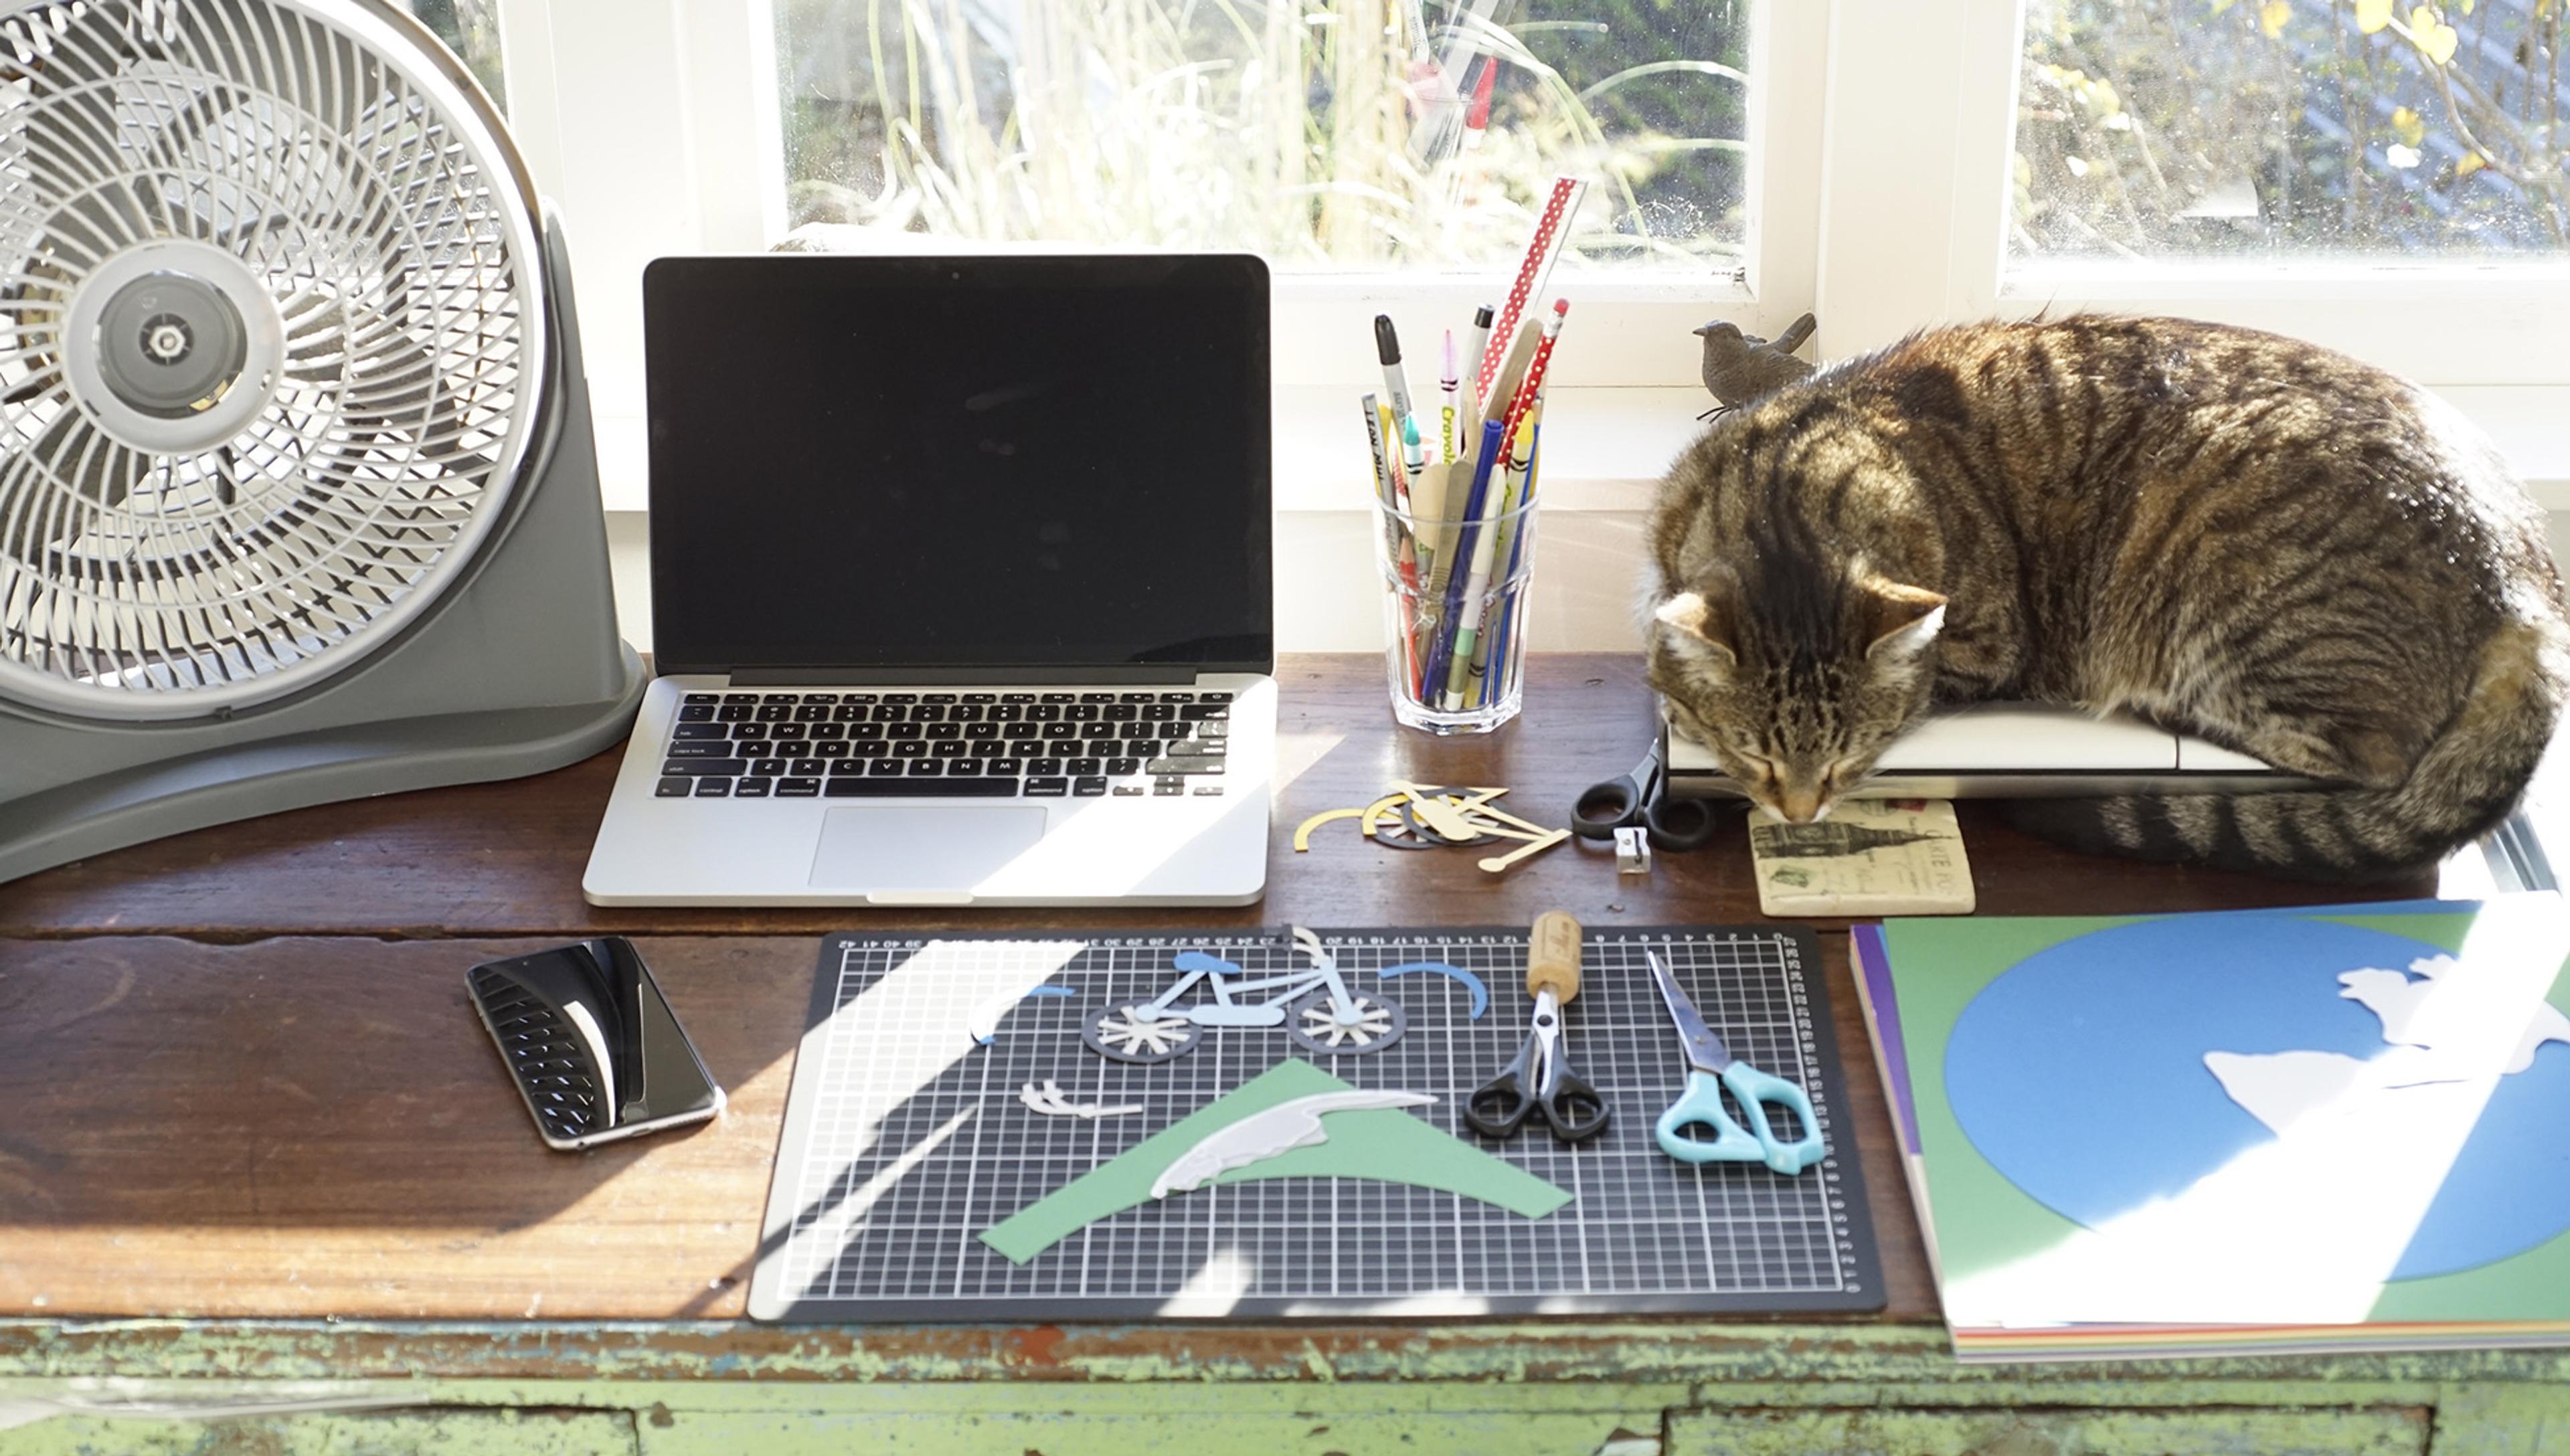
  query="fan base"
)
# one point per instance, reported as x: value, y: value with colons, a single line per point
x: 360, y: 761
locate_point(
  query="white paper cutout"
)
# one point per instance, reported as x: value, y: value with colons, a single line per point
x: 1263, y: 1135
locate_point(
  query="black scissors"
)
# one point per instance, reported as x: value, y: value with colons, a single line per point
x: 1539, y: 1080
x: 1642, y: 798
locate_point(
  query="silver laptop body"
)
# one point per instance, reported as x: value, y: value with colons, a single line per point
x: 2007, y: 750
x: 962, y: 585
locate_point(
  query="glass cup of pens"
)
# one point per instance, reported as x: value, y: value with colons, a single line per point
x: 1455, y: 478
x: 1454, y: 614
x: 1455, y: 537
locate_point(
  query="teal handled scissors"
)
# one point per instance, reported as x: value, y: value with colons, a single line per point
x: 1710, y: 1069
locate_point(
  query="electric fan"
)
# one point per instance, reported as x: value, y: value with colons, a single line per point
x: 298, y: 495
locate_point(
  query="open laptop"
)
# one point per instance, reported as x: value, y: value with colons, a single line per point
x: 961, y: 584
x: 2023, y: 751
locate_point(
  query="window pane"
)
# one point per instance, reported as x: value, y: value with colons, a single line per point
x: 471, y: 29
x: 2176, y: 128
x: 1357, y: 134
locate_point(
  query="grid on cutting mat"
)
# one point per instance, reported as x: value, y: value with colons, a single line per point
x: 904, y: 1141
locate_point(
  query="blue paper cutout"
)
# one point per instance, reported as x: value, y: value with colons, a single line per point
x: 2079, y: 1074
x: 1481, y: 993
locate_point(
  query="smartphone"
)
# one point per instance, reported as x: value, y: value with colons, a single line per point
x: 591, y: 1044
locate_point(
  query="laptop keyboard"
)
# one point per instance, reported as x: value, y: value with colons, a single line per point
x: 946, y: 745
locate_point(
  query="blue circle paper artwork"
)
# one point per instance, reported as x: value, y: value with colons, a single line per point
x: 2079, y: 1073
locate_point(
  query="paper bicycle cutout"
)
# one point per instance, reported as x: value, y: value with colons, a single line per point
x: 1313, y: 1004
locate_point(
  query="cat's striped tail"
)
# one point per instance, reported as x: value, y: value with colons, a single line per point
x: 2466, y: 782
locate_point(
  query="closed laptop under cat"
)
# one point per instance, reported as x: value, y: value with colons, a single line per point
x: 2013, y: 750
x: 961, y: 584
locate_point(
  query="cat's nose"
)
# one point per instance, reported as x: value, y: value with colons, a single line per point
x: 1799, y: 806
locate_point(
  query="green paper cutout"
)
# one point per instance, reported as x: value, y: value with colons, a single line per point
x: 1385, y: 1143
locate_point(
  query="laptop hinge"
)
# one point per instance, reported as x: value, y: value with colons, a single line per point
x: 973, y: 676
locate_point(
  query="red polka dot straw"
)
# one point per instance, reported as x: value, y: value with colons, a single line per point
x: 1541, y: 250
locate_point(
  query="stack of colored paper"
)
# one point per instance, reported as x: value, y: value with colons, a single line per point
x: 2336, y: 1128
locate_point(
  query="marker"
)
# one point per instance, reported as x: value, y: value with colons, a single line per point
x: 1386, y: 481
x: 1396, y: 494
x: 1395, y: 386
x: 1481, y: 317
x: 1476, y: 118
x: 1415, y: 460
x: 1446, y: 385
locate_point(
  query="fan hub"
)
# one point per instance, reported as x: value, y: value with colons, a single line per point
x: 149, y: 339
x: 172, y: 347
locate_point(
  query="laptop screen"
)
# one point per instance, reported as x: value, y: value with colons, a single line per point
x: 882, y: 464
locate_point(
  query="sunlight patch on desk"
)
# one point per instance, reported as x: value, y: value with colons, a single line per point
x: 1439, y: 1304
x: 2308, y: 1227
x: 911, y: 1026
x: 1299, y: 751
x: 204, y: 1400
x: 921, y: 1013
x: 836, y: 1226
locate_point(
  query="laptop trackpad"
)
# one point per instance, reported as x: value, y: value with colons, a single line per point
x: 922, y: 846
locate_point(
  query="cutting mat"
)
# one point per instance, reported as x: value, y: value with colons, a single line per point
x: 905, y: 1140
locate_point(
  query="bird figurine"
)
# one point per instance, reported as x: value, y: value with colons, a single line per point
x: 1739, y: 368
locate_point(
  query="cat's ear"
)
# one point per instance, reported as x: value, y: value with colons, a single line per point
x: 1903, y: 620
x: 1696, y: 628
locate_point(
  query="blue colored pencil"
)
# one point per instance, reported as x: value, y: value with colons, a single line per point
x: 1441, y: 652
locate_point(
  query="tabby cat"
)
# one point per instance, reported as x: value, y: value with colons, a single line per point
x: 2231, y: 534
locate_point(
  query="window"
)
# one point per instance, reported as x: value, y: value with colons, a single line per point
x: 1325, y: 134
x: 2385, y: 178
x: 2225, y: 127
x: 471, y: 29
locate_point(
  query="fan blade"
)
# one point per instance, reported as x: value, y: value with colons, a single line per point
x: 100, y: 471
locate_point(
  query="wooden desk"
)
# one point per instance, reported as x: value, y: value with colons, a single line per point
x: 254, y: 1138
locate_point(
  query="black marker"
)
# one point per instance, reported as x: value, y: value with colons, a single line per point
x: 1481, y: 346
x: 1395, y: 388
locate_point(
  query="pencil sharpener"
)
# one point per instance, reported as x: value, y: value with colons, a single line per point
x: 1633, y: 850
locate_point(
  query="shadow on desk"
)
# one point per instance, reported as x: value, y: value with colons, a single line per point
x: 304, y: 1124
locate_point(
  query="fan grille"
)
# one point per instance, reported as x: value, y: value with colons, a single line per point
x: 306, y: 161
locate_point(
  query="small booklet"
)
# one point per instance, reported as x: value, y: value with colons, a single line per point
x: 1871, y: 856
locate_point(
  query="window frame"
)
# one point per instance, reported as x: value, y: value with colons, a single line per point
x: 1880, y: 145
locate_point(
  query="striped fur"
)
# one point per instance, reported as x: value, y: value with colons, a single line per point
x: 2226, y: 531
